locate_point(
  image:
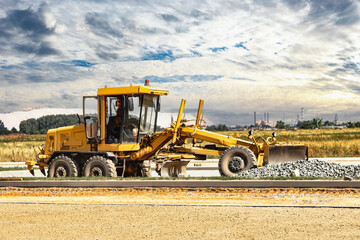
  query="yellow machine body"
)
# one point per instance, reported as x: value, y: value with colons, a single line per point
x: 88, y: 148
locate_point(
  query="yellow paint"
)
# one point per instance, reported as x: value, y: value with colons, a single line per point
x: 102, y: 119
x: 260, y: 160
x: 198, y: 116
x: 135, y: 90
x: 201, y: 151
x: 177, y: 124
x: 117, y: 147
x: 73, y: 138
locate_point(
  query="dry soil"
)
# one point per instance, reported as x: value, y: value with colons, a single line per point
x: 66, y: 213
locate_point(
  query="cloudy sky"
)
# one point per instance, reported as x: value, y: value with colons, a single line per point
x: 239, y: 56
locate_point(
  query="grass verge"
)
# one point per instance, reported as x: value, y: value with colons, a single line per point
x: 186, y: 178
x: 14, y: 168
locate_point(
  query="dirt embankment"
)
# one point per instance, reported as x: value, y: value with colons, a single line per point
x: 68, y: 213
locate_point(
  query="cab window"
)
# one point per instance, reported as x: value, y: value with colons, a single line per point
x: 122, y: 119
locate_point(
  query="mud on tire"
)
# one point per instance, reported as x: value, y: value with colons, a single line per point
x: 99, y: 167
x: 62, y: 166
x: 235, y: 160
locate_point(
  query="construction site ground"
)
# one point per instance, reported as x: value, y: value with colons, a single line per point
x: 173, y: 213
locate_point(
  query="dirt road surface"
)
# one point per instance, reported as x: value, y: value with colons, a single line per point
x: 68, y: 213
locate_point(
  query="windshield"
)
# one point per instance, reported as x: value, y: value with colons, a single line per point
x: 129, y: 118
x: 149, y: 114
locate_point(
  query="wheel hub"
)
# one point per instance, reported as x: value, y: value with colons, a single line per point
x: 96, y: 172
x: 60, y: 172
x: 236, y: 164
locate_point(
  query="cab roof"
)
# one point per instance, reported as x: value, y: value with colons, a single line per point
x: 136, y: 90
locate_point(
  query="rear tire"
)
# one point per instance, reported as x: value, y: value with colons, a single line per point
x: 99, y: 167
x: 235, y: 160
x: 62, y: 166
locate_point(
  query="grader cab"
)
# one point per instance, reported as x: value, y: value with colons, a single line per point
x: 119, y: 137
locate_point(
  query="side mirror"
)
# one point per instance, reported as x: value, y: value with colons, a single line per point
x: 130, y: 103
x: 274, y: 134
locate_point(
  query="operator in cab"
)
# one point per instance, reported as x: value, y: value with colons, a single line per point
x: 116, y: 123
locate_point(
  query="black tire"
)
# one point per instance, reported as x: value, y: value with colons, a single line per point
x: 99, y: 167
x: 62, y: 166
x: 235, y: 160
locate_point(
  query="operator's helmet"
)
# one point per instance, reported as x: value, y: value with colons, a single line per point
x: 118, y: 102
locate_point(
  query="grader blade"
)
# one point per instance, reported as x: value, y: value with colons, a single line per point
x: 285, y: 153
x: 174, y: 168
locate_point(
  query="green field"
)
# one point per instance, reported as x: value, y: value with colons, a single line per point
x: 321, y: 142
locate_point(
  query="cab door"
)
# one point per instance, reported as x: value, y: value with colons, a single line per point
x: 91, y: 113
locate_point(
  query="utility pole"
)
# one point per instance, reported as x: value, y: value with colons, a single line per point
x: 254, y: 119
x: 302, y: 114
x: 264, y: 118
x: 336, y: 119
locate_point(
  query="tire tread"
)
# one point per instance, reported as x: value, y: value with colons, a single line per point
x: 228, y: 151
x: 73, y: 167
x: 110, y: 170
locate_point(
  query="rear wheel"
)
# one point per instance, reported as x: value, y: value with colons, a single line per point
x: 235, y: 160
x: 62, y: 166
x: 99, y: 167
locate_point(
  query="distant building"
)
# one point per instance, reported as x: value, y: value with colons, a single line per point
x: 262, y: 124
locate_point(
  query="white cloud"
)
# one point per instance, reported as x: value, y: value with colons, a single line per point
x: 270, y: 56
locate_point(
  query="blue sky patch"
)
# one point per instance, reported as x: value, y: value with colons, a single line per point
x: 244, y: 79
x: 82, y: 63
x: 218, y: 49
x: 32, y: 64
x: 159, y: 55
x: 241, y: 45
x: 196, y: 53
x: 9, y: 67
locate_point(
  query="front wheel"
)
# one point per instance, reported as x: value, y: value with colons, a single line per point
x: 99, y: 167
x: 62, y: 166
x: 235, y: 160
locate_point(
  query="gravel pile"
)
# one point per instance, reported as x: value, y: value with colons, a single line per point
x: 304, y: 168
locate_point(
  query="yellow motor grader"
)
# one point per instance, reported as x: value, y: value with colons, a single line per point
x: 121, y: 139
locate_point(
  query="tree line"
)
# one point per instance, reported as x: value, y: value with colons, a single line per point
x: 220, y: 127
x: 316, y: 123
x: 41, y: 125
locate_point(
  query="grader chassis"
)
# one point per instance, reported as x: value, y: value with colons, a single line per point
x: 90, y: 149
